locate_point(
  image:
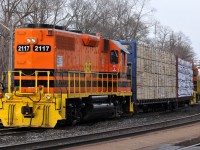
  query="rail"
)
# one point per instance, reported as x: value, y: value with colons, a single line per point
x: 67, y: 142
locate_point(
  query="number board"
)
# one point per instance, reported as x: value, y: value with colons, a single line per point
x: 41, y: 48
x: 23, y: 48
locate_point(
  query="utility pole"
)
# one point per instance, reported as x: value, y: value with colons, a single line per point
x: 11, y: 50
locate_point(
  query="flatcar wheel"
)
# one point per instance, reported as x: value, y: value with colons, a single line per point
x: 145, y: 109
x: 171, y: 106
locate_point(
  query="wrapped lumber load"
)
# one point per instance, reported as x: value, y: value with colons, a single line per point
x: 156, y: 74
x: 185, y: 78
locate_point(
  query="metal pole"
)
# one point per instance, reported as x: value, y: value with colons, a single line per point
x: 11, y: 51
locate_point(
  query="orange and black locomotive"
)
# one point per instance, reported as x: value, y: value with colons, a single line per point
x: 64, y: 76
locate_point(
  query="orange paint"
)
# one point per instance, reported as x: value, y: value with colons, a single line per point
x: 63, y: 51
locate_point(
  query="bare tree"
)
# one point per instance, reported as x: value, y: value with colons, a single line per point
x: 9, y: 18
x: 168, y: 40
x: 115, y: 19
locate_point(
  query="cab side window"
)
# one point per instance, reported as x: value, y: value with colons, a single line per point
x: 114, y: 57
x: 123, y: 58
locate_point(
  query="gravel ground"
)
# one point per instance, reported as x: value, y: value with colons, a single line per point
x: 93, y: 127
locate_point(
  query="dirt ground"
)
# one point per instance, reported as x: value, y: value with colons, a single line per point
x: 150, y: 141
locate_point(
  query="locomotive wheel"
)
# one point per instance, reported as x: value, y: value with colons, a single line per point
x: 74, y: 115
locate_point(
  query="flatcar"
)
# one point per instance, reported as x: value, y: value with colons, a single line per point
x: 64, y: 76
x: 160, y: 80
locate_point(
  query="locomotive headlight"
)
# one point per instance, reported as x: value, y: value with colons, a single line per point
x: 28, y: 40
x: 7, y: 96
x: 33, y: 40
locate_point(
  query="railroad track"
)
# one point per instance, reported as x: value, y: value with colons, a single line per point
x: 191, y: 147
x: 64, y: 142
x: 16, y: 131
x: 191, y: 144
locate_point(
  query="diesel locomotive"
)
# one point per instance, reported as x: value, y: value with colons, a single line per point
x: 64, y: 76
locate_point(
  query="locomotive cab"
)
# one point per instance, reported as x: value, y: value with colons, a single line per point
x: 118, y: 57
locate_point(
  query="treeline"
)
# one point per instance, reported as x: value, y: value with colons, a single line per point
x: 115, y: 19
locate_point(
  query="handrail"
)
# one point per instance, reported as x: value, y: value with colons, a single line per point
x: 36, y: 81
x: 68, y: 76
x: 74, y: 80
x: 20, y: 80
x: 48, y: 80
x: 88, y: 81
x: 9, y: 80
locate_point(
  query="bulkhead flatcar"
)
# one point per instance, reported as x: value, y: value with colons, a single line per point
x: 159, y: 78
x: 64, y: 76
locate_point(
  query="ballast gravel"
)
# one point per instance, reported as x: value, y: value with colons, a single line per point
x: 95, y: 127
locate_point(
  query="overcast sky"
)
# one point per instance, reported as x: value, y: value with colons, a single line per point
x: 180, y: 15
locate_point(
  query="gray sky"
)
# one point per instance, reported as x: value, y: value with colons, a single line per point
x: 180, y: 15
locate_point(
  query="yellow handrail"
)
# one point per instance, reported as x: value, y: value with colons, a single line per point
x: 112, y: 83
x: 74, y: 82
x: 79, y: 82
x: 88, y: 78
x: 68, y: 82
x: 117, y: 82
x: 36, y: 82
x: 91, y: 83
x: 10, y: 82
x: 112, y: 80
x: 48, y: 80
x: 102, y: 83
x: 20, y: 81
x: 85, y: 83
x: 107, y: 82
x: 97, y: 82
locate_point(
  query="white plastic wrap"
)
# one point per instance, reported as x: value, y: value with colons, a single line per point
x: 185, y: 78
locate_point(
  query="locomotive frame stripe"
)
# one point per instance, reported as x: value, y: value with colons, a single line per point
x: 61, y: 83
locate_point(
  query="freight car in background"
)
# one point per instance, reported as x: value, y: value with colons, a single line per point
x: 159, y: 79
x: 196, y: 80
